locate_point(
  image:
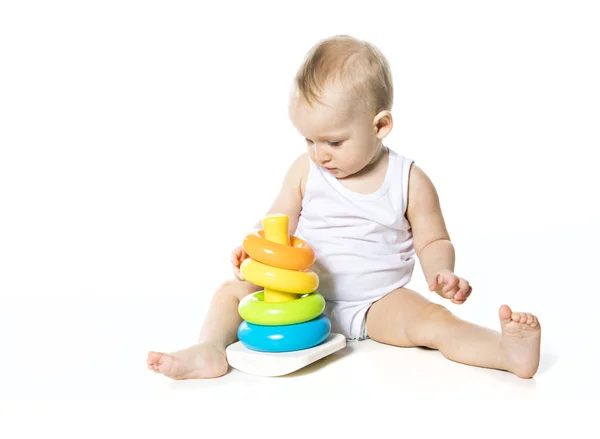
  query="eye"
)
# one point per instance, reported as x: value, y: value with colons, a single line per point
x: 308, y: 141
x: 335, y: 143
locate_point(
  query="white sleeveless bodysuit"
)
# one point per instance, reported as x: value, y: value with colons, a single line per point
x: 363, y: 242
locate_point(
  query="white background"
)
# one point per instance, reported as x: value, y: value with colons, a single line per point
x: 140, y: 141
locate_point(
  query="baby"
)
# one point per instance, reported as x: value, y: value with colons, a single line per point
x: 366, y: 211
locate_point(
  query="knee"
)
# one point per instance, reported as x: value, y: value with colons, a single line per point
x: 234, y: 289
x: 434, y: 312
x: 430, y: 325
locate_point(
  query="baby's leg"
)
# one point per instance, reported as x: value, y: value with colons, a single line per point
x: 207, y: 358
x: 405, y: 318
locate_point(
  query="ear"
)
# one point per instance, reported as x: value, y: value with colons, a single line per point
x: 382, y: 124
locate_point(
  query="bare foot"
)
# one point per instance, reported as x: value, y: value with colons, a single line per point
x: 198, y: 361
x: 521, y: 335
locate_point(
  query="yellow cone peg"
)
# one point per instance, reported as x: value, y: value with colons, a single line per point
x: 276, y: 230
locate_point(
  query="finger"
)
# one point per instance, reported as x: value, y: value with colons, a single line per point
x: 450, y: 284
x: 457, y: 301
x: 463, y: 288
x: 452, y: 294
x: 433, y: 283
x: 436, y: 283
x: 468, y: 293
x: 461, y: 299
x: 238, y: 273
x: 440, y: 279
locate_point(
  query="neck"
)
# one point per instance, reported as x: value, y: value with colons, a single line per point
x: 378, y: 157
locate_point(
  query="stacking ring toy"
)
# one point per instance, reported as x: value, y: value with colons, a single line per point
x: 284, y: 338
x: 287, y: 314
x: 296, y: 256
x: 255, y: 310
x: 298, y: 282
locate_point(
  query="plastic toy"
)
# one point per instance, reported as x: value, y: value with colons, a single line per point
x: 283, y: 328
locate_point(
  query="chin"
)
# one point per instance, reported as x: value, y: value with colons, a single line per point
x: 340, y: 175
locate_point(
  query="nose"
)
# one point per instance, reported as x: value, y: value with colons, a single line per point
x: 321, y: 154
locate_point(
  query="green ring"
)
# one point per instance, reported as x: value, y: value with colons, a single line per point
x: 254, y: 309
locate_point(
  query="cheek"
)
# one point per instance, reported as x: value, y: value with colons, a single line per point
x: 356, y: 160
x: 351, y: 155
x: 311, y: 152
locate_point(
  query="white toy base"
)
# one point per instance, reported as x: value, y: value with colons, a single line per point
x: 273, y: 364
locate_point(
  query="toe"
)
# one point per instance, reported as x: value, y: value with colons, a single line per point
x: 505, y: 313
x: 161, y: 367
x: 529, y: 318
x: 166, y: 365
x: 154, y: 357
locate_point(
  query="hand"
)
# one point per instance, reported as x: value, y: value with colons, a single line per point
x: 450, y: 286
x: 238, y: 255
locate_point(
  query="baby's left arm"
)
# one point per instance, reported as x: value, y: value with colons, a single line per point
x: 431, y: 239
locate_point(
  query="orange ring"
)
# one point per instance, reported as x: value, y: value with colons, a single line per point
x: 296, y: 256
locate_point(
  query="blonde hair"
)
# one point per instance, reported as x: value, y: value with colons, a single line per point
x: 356, y: 64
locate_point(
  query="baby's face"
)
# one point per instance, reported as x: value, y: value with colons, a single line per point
x: 340, y: 140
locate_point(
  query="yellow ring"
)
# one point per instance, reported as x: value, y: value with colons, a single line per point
x: 298, y: 282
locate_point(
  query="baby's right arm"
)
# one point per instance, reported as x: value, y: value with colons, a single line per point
x: 289, y: 199
x: 288, y: 202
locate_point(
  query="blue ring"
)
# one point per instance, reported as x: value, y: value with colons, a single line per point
x: 284, y: 338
